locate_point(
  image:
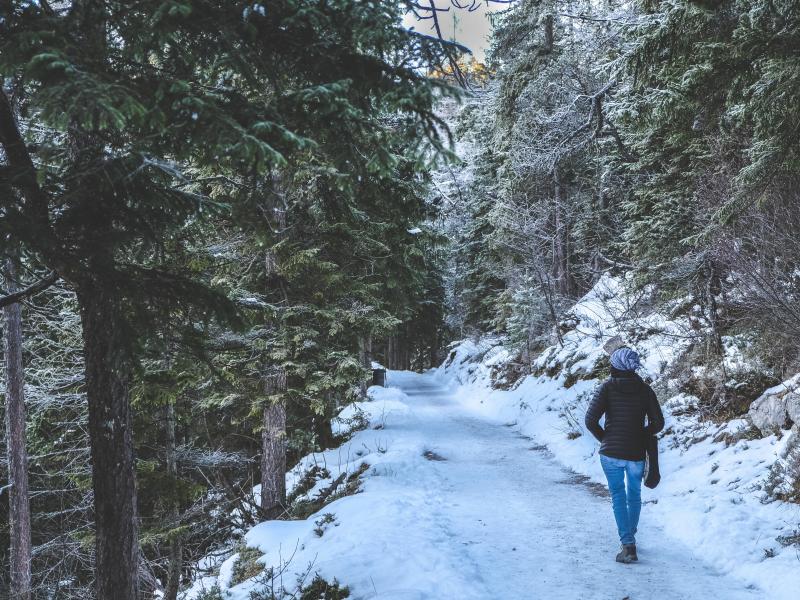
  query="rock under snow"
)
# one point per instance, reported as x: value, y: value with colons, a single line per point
x: 778, y: 407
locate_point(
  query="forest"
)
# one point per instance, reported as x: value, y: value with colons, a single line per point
x: 217, y: 217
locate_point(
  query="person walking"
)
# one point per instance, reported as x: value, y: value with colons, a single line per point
x: 625, y: 400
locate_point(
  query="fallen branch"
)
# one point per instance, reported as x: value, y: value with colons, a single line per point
x: 324, y: 494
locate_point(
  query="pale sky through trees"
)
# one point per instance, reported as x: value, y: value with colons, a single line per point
x: 469, y: 28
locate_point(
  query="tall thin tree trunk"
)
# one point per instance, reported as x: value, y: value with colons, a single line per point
x: 365, y: 357
x: 547, y: 288
x: 273, y: 444
x: 549, y: 36
x: 399, y: 352
x: 560, y: 242
x: 711, y: 291
x: 407, y: 348
x: 108, y: 372
x: 390, y: 351
x: 19, y: 504
x: 176, y: 544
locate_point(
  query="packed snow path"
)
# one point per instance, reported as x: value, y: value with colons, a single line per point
x: 493, y: 516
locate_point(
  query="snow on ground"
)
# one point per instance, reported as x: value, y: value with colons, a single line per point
x: 711, y: 497
x: 471, y: 492
x: 457, y: 506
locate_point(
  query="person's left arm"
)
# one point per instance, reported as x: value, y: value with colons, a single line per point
x: 655, y: 418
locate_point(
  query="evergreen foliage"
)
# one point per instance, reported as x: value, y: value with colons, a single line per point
x: 655, y: 138
x: 226, y: 207
x: 228, y: 188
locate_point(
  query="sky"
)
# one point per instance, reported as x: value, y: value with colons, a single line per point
x: 468, y: 28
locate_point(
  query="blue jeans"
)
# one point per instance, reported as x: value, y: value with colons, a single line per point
x: 626, y: 500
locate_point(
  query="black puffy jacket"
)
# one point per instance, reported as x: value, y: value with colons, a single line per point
x: 625, y: 399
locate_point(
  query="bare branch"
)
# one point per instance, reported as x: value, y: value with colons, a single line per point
x: 31, y: 290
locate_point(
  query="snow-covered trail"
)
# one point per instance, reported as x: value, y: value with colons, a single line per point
x: 493, y: 516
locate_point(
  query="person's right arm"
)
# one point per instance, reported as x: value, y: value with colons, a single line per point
x: 597, y: 408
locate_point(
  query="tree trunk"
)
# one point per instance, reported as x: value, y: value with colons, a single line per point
x: 397, y: 353
x: 107, y: 350
x: 401, y: 357
x: 560, y: 242
x: 407, y: 348
x: 388, y: 359
x: 548, y: 291
x: 365, y: 351
x: 108, y: 371
x: 365, y: 358
x: 549, y: 36
x: 175, y: 545
x: 323, y: 432
x: 433, y: 351
x: 273, y: 443
x: 19, y: 502
x: 711, y: 291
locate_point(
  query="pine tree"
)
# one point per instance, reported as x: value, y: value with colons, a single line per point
x: 126, y: 117
x: 711, y: 117
x: 541, y: 199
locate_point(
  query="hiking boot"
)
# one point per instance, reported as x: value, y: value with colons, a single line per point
x: 628, y: 554
x: 631, y: 548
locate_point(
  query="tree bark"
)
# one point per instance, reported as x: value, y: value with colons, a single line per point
x: 108, y: 371
x: 176, y: 544
x: 390, y: 353
x: 711, y: 291
x: 365, y: 351
x: 107, y: 345
x: 323, y: 431
x: 401, y: 357
x: 549, y: 36
x: 365, y: 357
x: 560, y: 242
x: 19, y: 501
x: 273, y: 444
x: 433, y: 351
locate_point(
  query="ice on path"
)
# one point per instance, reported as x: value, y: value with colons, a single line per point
x: 504, y: 520
x: 491, y: 517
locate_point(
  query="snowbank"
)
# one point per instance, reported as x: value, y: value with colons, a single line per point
x: 344, y: 539
x: 395, y: 539
x: 712, y: 495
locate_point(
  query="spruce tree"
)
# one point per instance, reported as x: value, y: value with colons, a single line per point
x: 122, y: 103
